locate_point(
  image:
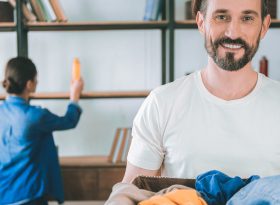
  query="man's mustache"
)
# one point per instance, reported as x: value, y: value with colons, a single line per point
x: 230, y: 41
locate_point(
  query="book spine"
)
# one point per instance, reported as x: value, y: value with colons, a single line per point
x: 29, y: 16
x: 152, y: 10
x: 49, y: 10
x: 127, y: 145
x: 37, y: 9
x: 44, y: 10
x: 58, y: 10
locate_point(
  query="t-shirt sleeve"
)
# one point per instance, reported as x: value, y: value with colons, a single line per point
x: 146, y: 150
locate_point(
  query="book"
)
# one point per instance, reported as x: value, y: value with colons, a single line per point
x: 27, y: 13
x: 60, y: 15
x: 47, y: 10
x: 153, y: 10
x: 114, y: 145
x: 127, y: 145
x: 122, y: 145
x: 38, y: 10
x: 118, y: 148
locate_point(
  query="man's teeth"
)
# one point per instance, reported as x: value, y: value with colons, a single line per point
x: 232, y: 46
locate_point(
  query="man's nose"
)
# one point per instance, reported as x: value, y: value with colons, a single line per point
x: 233, y: 29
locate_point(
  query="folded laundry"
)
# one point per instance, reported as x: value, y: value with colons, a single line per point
x: 212, y: 188
x: 217, y: 188
x: 265, y: 191
x: 176, y: 197
x: 129, y: 194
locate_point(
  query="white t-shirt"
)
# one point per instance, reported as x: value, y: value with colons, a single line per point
x: 185, y: 130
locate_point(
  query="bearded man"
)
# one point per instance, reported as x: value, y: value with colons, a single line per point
x: 225, y: 116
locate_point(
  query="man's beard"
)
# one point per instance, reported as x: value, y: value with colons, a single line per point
x: 228, y: 62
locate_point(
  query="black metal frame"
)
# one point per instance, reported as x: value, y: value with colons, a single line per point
x: 22, y: 42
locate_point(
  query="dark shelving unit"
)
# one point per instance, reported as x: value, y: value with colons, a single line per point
x: 167, y: 26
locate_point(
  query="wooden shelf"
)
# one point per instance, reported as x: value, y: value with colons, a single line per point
x: 185, y: 24
x: 275, y: 23
x: 7, y: 27
x: 89, y: 95
x: 88, y: 161
x: 112, y: 25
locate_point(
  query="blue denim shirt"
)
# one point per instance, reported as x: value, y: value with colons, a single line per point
x: 29, y: 166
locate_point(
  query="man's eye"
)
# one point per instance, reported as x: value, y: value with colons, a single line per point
x: 221, y: 18
x: 248, y: 18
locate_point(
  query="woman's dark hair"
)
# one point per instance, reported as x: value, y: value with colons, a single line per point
x: 201, y: 5
x: 18, y: 71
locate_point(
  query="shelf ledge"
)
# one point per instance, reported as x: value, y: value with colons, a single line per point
x: 88, y: 95
x: 108, y: 25
x: 7, y: 27
x: 88, y: 161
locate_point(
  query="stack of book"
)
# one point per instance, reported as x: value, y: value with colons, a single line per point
x: 42, y: 10
x: 120, y: 146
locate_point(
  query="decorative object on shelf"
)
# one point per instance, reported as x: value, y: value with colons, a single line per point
x: 264, y: 66
x: 28, y: 15
x: 6, y: 12
x: 188, y: 10
x: 76, y: 70
x: 272, y: 8
x: 60, y: 15
x: 120, y: 146
x: 153, y: 10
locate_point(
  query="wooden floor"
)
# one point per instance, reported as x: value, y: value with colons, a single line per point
x: 80, y: 203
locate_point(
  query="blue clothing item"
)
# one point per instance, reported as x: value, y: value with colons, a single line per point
x: 265, y: 191
x: 29, y: 166
x: 216, y: 188
x: 40, y: 201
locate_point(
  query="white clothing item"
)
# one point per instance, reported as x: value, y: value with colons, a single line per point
x: 185, y: 130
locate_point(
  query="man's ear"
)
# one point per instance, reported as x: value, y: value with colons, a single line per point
x: 200, y: 22
x: 265, y: 25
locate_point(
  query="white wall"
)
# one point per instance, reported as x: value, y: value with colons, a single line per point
x: 111, y: 60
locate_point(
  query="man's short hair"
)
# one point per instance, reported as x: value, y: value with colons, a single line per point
x: 201, y: 5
